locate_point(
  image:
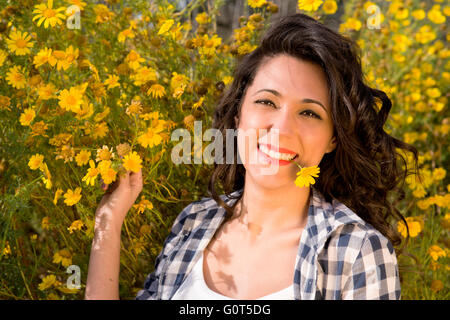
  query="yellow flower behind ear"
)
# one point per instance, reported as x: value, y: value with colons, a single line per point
x: 305, y: 177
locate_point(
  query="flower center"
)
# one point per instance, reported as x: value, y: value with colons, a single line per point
x: 71, y: 100
x: 21, y: 43
x: 49, y: 13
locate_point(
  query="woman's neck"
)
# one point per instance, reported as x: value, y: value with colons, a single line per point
x: 273, y: 210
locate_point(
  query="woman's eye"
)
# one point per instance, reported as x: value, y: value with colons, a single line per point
x: 266, y: 102
x: 309, y: 113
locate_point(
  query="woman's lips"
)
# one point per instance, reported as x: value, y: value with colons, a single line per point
x: 277, y: 149
x: 275, y: 160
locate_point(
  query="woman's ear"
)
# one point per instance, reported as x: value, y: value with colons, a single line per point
x: 331, y: 145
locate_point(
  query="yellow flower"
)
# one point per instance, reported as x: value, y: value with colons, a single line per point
x: 132, y: 162
x: 439, y: 174
x: 44, y: 56
x: 134, y: 108
x: 79, y: 3
x: 36, y: 161
x: 104, y: 153
x: 143, y: 75
x: 256, y: 3
x: 127, y: 33
x: 112, y: 81
x: 71, y: 99
x: 47, y: 282
x: 3, y: 56
x: 72, y: 197
x: 436, y: 252
x: 92, y: 173
x: 156, y: 91
x: 305, y: 176
x: 418, y: 14
x: 351, y: 24
x: 329, y: 7
x: 47, y: 91
x: 83, y: 157
x: 150, y: 138
x: 134, y: 60
x: 309, y: 5
x: 64, y: 257
x: 433, y: 92
x: 6, y: 249
x: 19, y: 43
x: 142, y: 205
x: 103, y: 13
x: 435, y: 15
x: 76, y: 225
x: 16, y: 77
x: 27, y: 116
x: 413, y: 226
x: 203, y: 18
x: 45, y: 223
x: 425, y: 34
x: 58, y: 193
x: 45, y: 13
x: 108, y: 175
x: 165, y: 27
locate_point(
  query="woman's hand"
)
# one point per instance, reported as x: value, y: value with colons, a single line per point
x: 117, y: 201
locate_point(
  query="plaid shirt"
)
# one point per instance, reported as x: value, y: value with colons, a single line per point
x: 339, y: 256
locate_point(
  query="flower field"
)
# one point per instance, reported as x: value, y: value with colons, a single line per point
x: 89, y: 89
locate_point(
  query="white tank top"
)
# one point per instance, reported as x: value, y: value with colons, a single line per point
x: 194, y: 287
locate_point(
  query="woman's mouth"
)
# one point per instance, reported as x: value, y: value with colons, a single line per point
x: 283, y: 158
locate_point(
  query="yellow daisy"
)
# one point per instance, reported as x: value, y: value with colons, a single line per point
x: 150, y: 138
x: 112, y: 81
x: 36, y: 161
x: 76, y: 225
x: 19, y: 43
x: 309, y: 5
x: 92, y: 174
x: 47, y: 282
x: 16, y: 77
x: 49, y: 16
x: 3, y: 56
x: 132, y: 162
x: 64, y: 257
x: 57, y: 196
x: 305, y: 176
x: 27, y: 116
x: 414, y: 227
x: 329, y: 7
x: 71, y: 99
x: 156, y: 91
x: 82, y: 157
x: 72, y: 196
x: 47, y: 91
x: 256, y: 3
x: 44, y: 56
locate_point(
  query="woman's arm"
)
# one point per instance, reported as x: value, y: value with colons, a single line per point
x: 104, y: 263
x: 374, y: 274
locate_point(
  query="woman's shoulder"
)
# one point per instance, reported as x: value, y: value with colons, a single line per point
x: 349, y: 232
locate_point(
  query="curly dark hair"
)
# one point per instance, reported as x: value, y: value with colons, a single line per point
x: 366, y: 165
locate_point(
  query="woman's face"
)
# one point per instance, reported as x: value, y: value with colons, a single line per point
x: 288, y: 99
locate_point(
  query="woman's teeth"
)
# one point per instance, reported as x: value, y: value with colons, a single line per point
x: 277, y: 155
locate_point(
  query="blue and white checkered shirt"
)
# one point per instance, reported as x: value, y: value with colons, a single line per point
x: 340, y: 256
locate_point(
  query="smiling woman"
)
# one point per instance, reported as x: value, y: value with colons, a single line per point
x: 269, y: 236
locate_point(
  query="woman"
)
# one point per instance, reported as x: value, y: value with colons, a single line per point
x: 266, y: 237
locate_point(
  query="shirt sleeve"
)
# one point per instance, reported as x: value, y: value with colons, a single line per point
x: 374, y: 274
x: 149, y: 292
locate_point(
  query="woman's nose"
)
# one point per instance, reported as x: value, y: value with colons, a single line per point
x: 284, y: 121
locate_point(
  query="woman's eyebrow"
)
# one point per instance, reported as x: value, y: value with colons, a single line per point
x: 305, y: 100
